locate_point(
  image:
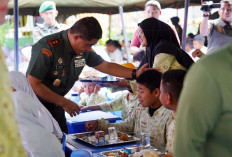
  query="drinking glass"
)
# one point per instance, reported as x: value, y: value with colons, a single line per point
x: 113, y: 134
x: 145, y: 141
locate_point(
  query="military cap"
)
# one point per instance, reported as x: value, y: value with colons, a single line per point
x: 47, y: 5
x: 153, y: 3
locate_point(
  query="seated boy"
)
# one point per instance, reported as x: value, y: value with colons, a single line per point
x: 170, y: 88
x: 89, y: 94
x: 151, y: 117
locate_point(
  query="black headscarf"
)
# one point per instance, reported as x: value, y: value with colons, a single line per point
x: 161, y: 39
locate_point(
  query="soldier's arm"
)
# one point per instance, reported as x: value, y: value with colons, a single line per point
x: 118, y: 70
x: 45, y: 93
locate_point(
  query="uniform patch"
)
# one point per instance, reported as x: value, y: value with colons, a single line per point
x: 79, y: 63
x: 54, y: 42
x: 46, y: 52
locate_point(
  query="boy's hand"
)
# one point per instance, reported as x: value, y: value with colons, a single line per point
x: 197, y: 53
x: 91, y: 125
x: 96, y: 89
x: 81, y: 90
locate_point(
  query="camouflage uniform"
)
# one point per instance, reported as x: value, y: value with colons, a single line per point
x: 140, y: 121
x: 43, y: 29
x: 170, y: 134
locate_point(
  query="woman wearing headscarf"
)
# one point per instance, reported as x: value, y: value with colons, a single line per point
x: 45, y: 119
x: 162, y: 48
x: 37, y: 141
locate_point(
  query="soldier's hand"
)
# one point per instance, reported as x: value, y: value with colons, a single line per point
x: 91, y: 125
x: 71, y: 107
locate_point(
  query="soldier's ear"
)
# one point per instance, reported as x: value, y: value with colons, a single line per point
x: 76, y: 36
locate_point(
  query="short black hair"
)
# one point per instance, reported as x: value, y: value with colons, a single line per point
x: 150, y: 79
x: 172, y: 82
x: 115, y: 43
x: 88, y: 27
x: 139, y: 56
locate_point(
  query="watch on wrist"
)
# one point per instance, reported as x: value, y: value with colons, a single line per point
x: 133, y: 73
x: 205, y: 15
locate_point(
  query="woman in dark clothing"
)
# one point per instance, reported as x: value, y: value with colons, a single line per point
x: 162, y: 48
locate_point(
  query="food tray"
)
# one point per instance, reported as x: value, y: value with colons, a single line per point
x: 112, y: 153
x: 86, y: 135
x: 98, y: 81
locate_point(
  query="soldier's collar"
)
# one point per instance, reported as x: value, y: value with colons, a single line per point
x: 222, y: 23
x: 66, y: 44
x: 47, y: 26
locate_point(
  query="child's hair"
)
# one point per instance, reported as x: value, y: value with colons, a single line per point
x: 150, y: 79
x: 115, y: 43
x: 139, y: 56
x: 172, y: 82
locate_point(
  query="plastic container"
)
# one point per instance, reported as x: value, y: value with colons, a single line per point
x: 75, y: 98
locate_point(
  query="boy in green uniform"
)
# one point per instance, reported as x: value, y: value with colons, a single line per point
x: 57, y: 61
x: 170, y: 88
x: 151, y: 117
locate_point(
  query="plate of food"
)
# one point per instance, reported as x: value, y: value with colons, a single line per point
x: 101, y: 138
x: 114, y: 153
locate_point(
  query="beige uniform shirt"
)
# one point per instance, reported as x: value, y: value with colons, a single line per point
x: 140, y: 121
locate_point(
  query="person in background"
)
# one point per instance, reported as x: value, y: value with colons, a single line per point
x: 175, y: 21
x: 190, y: 36
x: 162, y: 47
x: 114, y: 51
x: 218, y: 31
x: 152, y: 10
x: 48, y: 13
x: 10, y: 141
x: 151, y: 117
x: 190, y: 49
x: 138, y: 57
x: 204, y: 110
x: 170, y: 89
x: 57, y: 61
x: 89, y: 94
x: 198, y: 43
x: 200, y: 49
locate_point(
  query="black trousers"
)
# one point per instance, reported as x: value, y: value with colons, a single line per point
x: 58, y: 114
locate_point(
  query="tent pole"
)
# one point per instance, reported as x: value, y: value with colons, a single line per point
x: 185, y: 23
x: 16, y: 27
x: 109, y: 25
x: 124, y: 34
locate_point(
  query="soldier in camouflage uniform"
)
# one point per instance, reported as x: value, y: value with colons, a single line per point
x: 48, y: 13
x: 151, y: 118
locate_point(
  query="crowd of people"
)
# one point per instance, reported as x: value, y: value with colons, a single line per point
x: 184, y: 106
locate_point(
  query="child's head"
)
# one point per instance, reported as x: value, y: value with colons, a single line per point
x: 112, y: 45
x: 170, y: 88
x: 88, y: 87
x: 148, y: 84
x: 198, y: 41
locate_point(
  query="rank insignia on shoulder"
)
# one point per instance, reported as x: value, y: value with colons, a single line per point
x: 54, y: 42
x: 47, y: 52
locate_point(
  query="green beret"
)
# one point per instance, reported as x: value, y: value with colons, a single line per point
x: 47, y: 5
